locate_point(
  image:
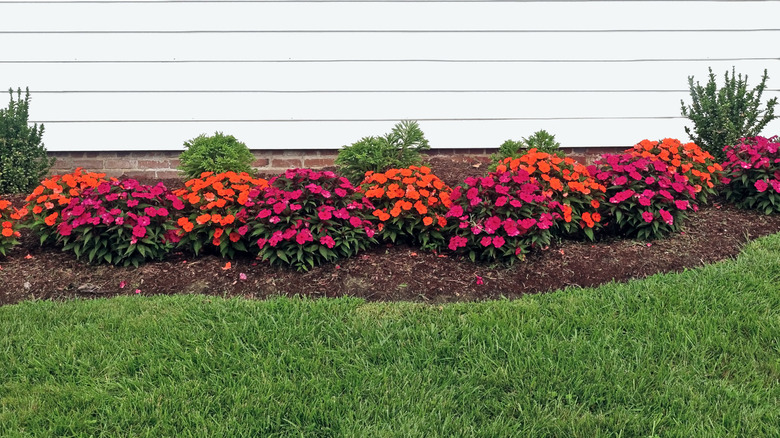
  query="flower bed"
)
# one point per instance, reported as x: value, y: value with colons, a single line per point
x: 303, y: 218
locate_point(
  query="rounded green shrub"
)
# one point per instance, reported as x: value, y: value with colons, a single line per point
x: 218, y: 153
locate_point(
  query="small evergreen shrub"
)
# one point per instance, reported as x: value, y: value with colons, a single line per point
x: 23, y: 158
x: 753, y: 174
x: 398, y: 149
x: 215, y: 215
x: 305, y: 218
x: 540, y: 140
x: 410, y: 205
x: 218, y: 153
x: 722, y: 117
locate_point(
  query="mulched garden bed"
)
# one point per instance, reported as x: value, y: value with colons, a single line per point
x: 393, y: 272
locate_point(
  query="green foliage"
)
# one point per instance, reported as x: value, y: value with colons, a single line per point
x: 23, y: 159
x: 722, y: 117
x: 398, y: 149
x: 218, y: 153
x: 542, y: 140
x: 753, y: 174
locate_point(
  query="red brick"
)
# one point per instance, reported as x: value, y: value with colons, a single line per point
x: 318, y: 162
x: 261, y: 162
x: 286, y: 163
x: 120, y: 163
x: 91, y: 165
x: 154, y: 164
x: 167, y: 174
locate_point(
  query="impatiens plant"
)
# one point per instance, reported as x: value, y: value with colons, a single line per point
x: 43, y: 211
x: 8, y: 226
x: 410, y: 205
x: 753, y: 174
x: 570, y: 186
x: 500, y: 216
x: 645, y: 199
x: 120, y: 222
x: 215, y: 211
x: 305, y: 218
x: 689, y: 159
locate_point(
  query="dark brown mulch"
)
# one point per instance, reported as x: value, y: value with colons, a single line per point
x: 399, y: 272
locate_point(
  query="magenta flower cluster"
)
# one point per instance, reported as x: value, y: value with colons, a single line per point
x: 644, y: 198
x: 752, y: 170
x: 121, y: 222
x: 500, y: 216
x: 305, y: 217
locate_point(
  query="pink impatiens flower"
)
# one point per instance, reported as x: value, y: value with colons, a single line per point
x: 666, y: 216
x: 498, y: 241
x: 486, y: 241
x: 761, y: 185
x: 327, y: 241
x: 647, y: 216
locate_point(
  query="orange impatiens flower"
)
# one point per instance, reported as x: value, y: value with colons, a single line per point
x: 202, y: 219
x: 51, y: 219
x: 409, y: 194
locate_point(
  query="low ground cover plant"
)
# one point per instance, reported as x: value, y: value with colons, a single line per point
x: 644, y: 198
x: 410, y: 205
x: 214, y: 214
x: 397, y: 149
x: 688, y: 159
x: 570, y: 186
x: 217, y: 153
x: 43, y: 211
x: 500, y: 217
x: 304, y: 218
x: 120, y: 222
x: 753, y: 172
x: 8, y: 226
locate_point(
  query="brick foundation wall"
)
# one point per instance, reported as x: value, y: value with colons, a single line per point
x: 163, y: 164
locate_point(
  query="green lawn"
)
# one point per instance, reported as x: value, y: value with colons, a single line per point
x: 687, y: 355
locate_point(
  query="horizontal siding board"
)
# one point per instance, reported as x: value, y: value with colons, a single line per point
x: 332, y: 135
x: 447, y: 46
x: 51, y: 107
x: 367, y: 15
x: 376, y: 76
x: 471, y: 55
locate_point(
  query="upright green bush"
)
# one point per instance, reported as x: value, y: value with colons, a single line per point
x: 218, y: 153
x: 398, y: 149
x: 540, y: 140
x: 722, y: 117
x: 23, y: 159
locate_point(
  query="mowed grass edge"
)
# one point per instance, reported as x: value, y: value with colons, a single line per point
x: 678, y: 355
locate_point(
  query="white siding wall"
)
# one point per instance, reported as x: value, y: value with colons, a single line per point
x: 147, y: 75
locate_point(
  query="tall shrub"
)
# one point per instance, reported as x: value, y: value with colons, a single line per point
x: 722, y: 116
x: 23, y: 159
